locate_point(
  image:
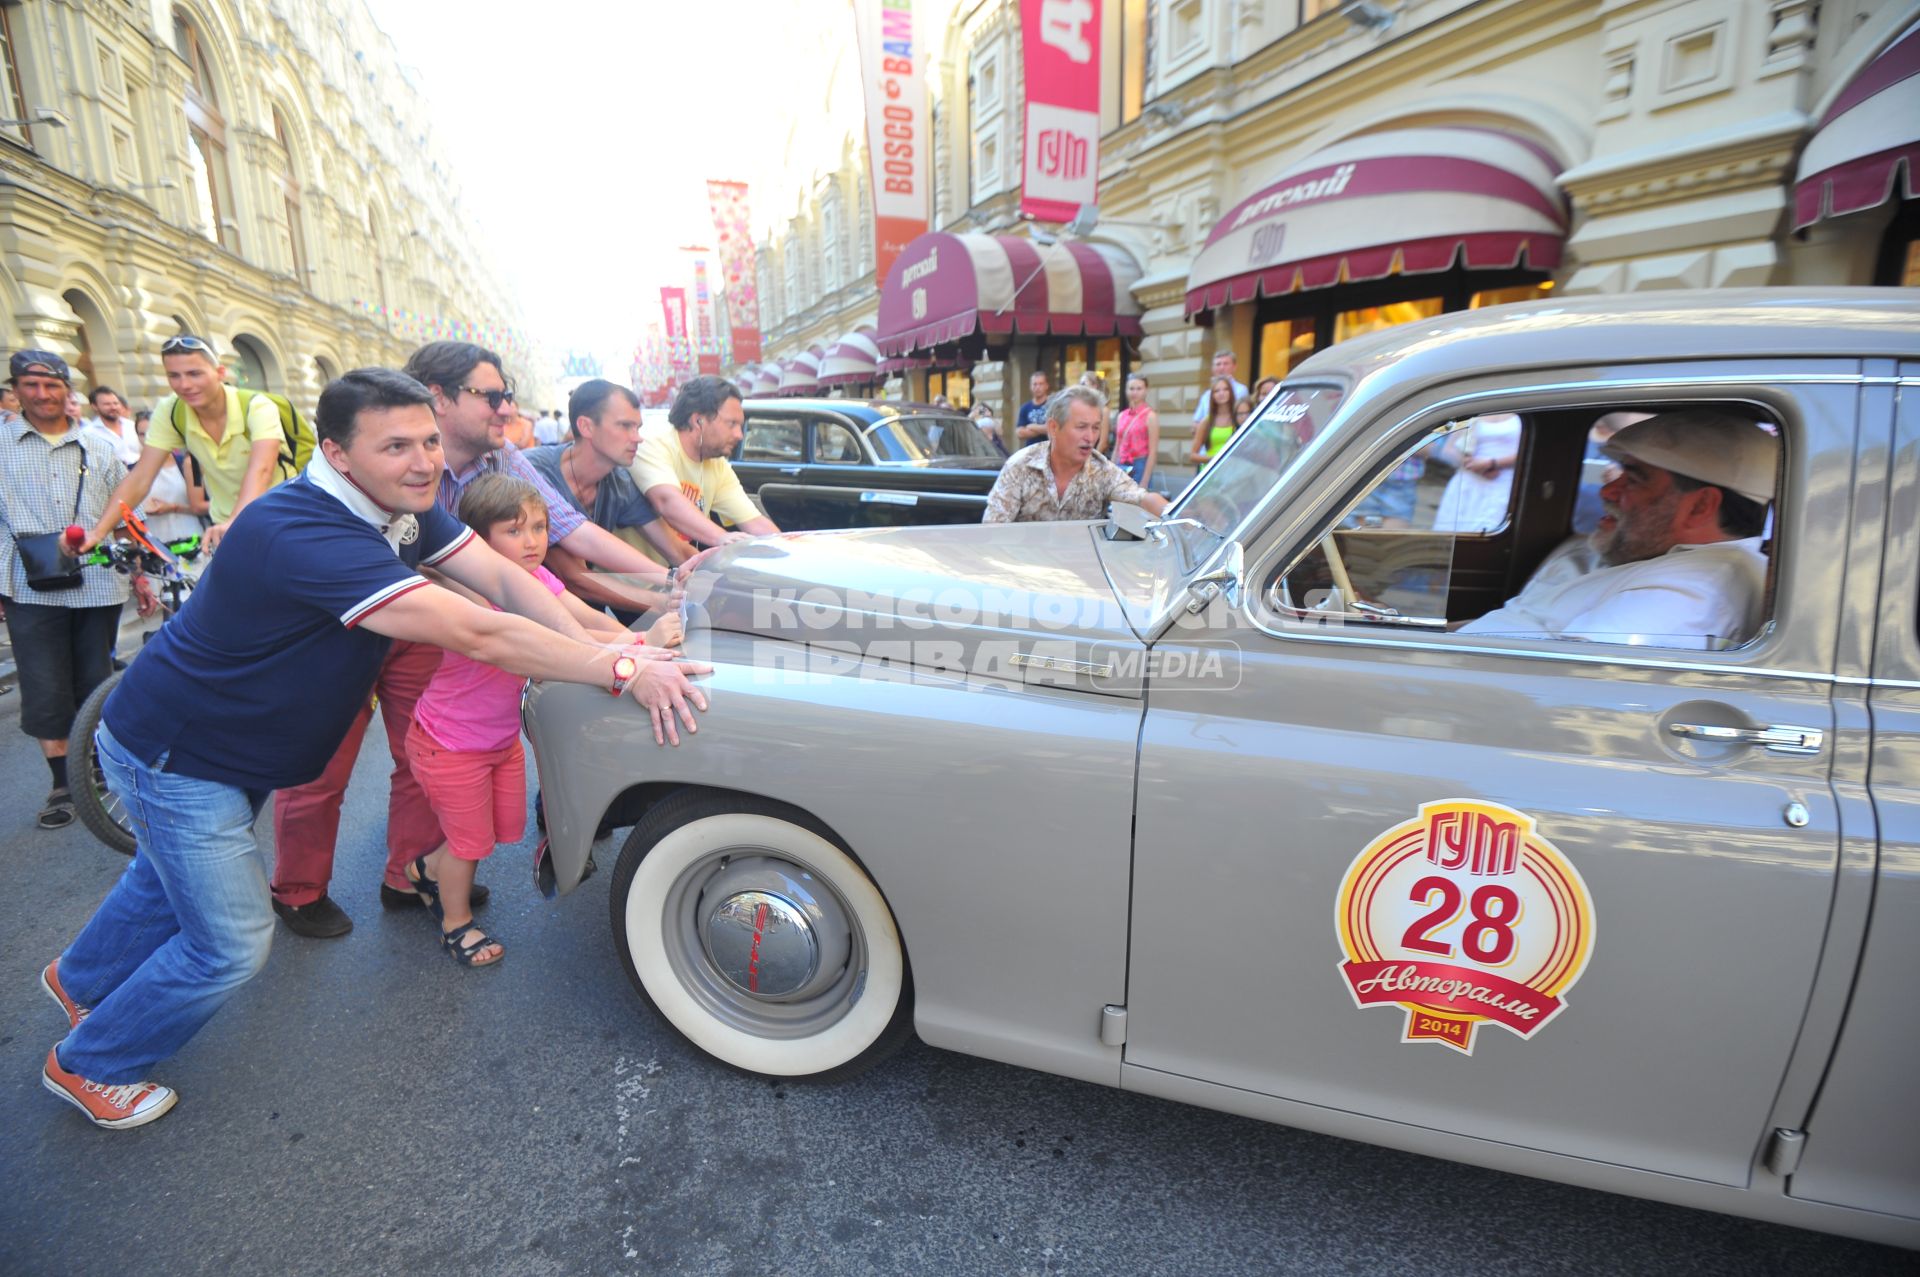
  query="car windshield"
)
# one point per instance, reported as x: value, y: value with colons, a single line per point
x: 1229, y: 489
x: 924, y: 436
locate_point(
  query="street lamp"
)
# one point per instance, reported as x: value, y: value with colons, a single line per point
x: 45, y: 115
x: 1369, y: 16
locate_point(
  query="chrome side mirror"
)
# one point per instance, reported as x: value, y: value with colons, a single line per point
x: 1222, y: 579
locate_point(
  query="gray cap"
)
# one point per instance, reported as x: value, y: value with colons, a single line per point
x: 1705, y: 445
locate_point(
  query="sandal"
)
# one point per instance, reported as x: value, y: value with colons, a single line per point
x: 467, y: 954
x: 426, y: 888
x: 57, y: 811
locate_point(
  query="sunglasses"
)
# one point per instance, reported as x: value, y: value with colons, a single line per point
x: 192, y: 345
x: 494, y: 398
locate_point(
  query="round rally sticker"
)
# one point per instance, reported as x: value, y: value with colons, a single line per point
x: 1464, y: 916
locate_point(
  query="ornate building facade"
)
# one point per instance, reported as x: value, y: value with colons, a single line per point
x: 1583, y: 146
x: 257, y: 172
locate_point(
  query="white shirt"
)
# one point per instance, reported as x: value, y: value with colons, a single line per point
x: 549, y: 430
x: 125, y: 440
x: 1693, y: 596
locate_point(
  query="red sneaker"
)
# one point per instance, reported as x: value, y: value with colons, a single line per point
x: 50, y: 981
x: 114, y: 1107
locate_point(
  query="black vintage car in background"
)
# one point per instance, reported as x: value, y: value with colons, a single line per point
x: 860, y: 463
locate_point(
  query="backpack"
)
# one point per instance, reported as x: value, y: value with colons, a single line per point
x: 300, y: 439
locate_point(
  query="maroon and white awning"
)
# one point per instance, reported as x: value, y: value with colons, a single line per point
x: 761, y: 379
x: 800, y: 375
x: 1407, y: 201
x: 1867, y: 144
x: 853, y: 360
x: 944, y: 287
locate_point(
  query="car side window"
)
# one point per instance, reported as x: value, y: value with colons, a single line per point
x: 775, y: 439
x: 1386, y: 561
x: 1527, y: 526
x: 834, y: 444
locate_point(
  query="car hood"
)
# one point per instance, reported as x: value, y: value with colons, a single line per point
x: 1026, y: 603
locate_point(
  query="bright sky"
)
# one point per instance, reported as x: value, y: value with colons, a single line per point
x: 582, y: 134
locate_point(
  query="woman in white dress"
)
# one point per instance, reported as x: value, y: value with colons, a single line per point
x: 1483, y: 454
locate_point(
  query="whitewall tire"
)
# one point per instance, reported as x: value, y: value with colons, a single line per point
x: 760, y: 938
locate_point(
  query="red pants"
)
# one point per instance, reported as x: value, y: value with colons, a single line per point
x: 306, y: 819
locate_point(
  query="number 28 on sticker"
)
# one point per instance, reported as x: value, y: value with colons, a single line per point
x: 1462, y: 916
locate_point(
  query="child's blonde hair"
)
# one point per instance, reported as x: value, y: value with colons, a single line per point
x: 497, y: 498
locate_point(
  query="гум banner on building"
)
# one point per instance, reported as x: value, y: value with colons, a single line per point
x: 1060, y: 51
x: 896, y: 98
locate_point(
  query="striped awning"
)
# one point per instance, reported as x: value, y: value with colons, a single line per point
x: 1867, y: 144
x: 761, y: 380
x: 853, y: 360
x: 1407, y: 201
x: 944, y: 287
x: 800, y: 375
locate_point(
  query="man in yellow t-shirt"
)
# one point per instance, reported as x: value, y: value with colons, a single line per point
x: 685, y: 472
x: 239, y: 454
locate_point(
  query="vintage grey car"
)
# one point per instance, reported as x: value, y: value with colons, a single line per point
x: 1228, y: 807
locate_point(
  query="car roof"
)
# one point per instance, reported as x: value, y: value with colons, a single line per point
x: 866, y: 411
x: 1799, y: 323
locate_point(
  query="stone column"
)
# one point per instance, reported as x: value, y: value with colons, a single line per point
x: 1173, y: 358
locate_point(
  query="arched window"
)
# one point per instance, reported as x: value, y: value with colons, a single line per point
x: 13, y: 98
x: 206, y: 139
x: 830, y: 242
x: 376, y: 258
x: 253, y: 366
x: 290, y: 192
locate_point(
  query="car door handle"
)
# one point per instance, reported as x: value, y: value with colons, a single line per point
x: 1780, y: 740
x: 790, y: 470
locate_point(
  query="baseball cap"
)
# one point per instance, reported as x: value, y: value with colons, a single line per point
x: 1711, y: 447
x: 42, y: 362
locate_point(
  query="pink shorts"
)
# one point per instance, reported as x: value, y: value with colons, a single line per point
x: 480, y: 796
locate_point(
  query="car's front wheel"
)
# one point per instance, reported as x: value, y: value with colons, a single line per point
x: 759, y: 938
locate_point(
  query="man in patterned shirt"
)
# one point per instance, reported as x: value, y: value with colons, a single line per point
x: 1063, y: 477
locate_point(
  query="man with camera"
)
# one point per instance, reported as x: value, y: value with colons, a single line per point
x: 61, y: 616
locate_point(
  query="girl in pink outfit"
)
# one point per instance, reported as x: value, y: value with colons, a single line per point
x: 1136, y: 433
x: 464, y: 743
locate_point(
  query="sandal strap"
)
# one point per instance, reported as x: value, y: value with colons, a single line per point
x: 451, y: 939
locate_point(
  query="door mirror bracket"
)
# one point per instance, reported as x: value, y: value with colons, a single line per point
x: 1224, y: 578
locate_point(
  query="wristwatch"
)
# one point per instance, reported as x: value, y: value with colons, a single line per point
x: 624, y: 668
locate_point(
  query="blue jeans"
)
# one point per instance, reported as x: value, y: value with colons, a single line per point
x: 1137, y: 468
x: 187, y: 923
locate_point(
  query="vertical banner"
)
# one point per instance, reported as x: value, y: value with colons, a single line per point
x: 731, y: 225
x: 706, y: 349
x: 1060, y: 48
x: 673, y: 304
x: 896, y: 97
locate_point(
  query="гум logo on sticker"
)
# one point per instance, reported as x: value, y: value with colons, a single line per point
x: 1464, y: 916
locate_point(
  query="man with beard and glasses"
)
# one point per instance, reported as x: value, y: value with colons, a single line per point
x: 1677, y: 558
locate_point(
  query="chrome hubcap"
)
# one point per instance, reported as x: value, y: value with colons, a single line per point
x: 770, y: 931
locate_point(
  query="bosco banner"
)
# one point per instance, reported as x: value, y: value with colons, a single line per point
x: 896, y: 100
x: 1060, y: 53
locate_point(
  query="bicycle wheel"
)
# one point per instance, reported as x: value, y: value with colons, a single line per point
x: 97, y: 806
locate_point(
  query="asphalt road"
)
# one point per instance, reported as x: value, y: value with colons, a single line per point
x: 365, y: 1107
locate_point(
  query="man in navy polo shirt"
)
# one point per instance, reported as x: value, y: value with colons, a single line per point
x: 251, y: 688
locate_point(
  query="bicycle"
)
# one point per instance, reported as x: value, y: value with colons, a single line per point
x: 96, y: 805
